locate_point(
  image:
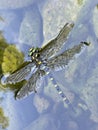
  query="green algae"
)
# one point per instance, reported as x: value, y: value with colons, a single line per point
x: 3, y: 45
x: 4, y: 121
x: 12, y: 58
x: 80, y: 2
x: 97, y: 6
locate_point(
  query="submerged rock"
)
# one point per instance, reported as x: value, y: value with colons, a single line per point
x: 41, y: 104
x: 56, y: 13
x: 31, y: 28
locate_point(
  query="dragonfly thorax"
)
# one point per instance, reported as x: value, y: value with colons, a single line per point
x: 34, y: 51
x: 35, y: 55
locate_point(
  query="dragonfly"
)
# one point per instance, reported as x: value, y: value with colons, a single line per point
x: 43, y: 62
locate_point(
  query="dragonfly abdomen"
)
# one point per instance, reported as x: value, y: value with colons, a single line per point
x: 57, y: 87
x: 60, y: 92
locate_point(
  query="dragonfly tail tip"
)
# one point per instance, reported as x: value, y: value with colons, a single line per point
x: 86, y: 43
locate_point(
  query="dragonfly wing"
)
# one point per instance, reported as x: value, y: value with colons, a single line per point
x: 56, y: 44
x: 31, y: 85
x: 20, y: 73
x: 62, y: 60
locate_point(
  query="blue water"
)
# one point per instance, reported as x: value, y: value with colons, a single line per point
x: 32, y: 24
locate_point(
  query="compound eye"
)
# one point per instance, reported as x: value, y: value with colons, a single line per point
x: 31, y: 51
x: 36, y: 49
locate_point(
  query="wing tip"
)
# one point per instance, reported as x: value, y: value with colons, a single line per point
x: 70, y: 24
x: 19, y: 96
x: 6, y: 80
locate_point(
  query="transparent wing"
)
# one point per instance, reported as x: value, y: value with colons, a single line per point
x: 55, y: 45
x: 60, y: 61
x: 30, y: 86
x: 20, y: 73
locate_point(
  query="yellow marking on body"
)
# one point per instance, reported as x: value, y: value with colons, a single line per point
x: 39, y: 62
x: 36, y: 55
x: 33, y: 57
x: 60, y: 92
x: 64, y: 98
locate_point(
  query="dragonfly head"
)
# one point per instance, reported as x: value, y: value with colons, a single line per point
x: 34, y: 51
